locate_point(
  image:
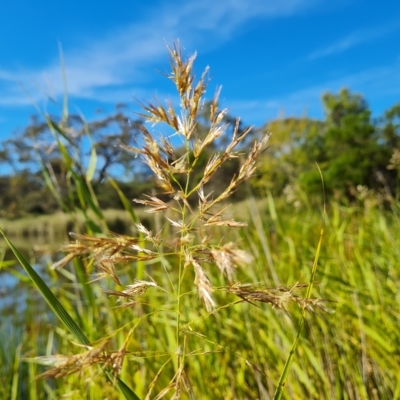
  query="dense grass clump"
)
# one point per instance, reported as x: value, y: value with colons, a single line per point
x: 198, y: 304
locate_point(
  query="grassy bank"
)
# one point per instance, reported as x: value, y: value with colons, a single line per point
x: 239, y: 351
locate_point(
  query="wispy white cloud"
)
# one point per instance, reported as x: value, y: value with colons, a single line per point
x: 354, y: 39
x: 6, y: 75
x: 122, y: 57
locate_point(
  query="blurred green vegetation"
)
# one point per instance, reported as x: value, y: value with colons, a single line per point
x: 352, y: 148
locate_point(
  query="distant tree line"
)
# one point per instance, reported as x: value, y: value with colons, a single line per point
x: 350, y: 147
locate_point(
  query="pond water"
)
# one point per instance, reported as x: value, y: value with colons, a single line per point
x: 15, y: 286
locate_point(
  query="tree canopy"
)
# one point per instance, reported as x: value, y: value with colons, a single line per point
x: 350, y: 147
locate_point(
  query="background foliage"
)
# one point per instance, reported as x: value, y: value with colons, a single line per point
x: 351, y: 147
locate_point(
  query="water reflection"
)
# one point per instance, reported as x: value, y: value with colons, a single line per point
x: 15, y: 286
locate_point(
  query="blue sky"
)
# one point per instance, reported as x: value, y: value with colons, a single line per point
x: 271, y: 57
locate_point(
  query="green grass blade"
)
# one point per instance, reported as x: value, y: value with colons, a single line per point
x: 64, y: 79
x: 85, y: 196
x: 92, y: 163
x: 122, y: 387
x: 15, y: 378
x: 55, y: 128
x: 125, y: 202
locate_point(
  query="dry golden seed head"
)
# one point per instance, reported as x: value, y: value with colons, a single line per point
x: 235, y: 138
x: 67, y: 365
x: 239, y: 256
x: 198, y: 93
x: 116, y: 360
x: 206, y: 239
x: 214, y: 106
x: 196, y: 96
x: 142, y: 250
x: 153, y: 150
x: 131, y: 292
x: 148, y: 138
x: 65, y: 260
x: 248, y: 168
x: 175, y: 55
x: 246, y: 171
x: 166, y: 186
x: 228, y: 257
x: 188, y: 257
x: 214, y: 133
x: 187, y: 239
x: 138, y: 286
x: 154, y: 166
x: 131, y: 149
x: 167, y: 147
x: 224, y: 263
x: 277, y: 297
x: 182, y: 75
x: 202, y: 197
x: 97, y: 246
x: 142, y: 229
x: 178, y: 224
x: 157, y: 113
x: 220, y: 116
x: 137, y: 289
x: 172, y: 115
x: 201, y: 281
x: 107, y: 269
x: 217, y: 216
x: 87, y: 240
x: 203, y: 200
x: 186, y: 126
x: 203, y: 286
x: 152, y: 155
x: 212, y: 165
x: 180, y: 196
x: 196, y: 147
x: 234, y: 142
x: 155, y: 203
x: 116, y: 293
x: 149, y: 234
x: 188, y: 67
x: 56, y: 360
x: 231, y: 223
x: 224, y: 195
x: 179, y: 166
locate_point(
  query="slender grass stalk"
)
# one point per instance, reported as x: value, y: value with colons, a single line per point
x: 15, y: 377
x: 285, y: 371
